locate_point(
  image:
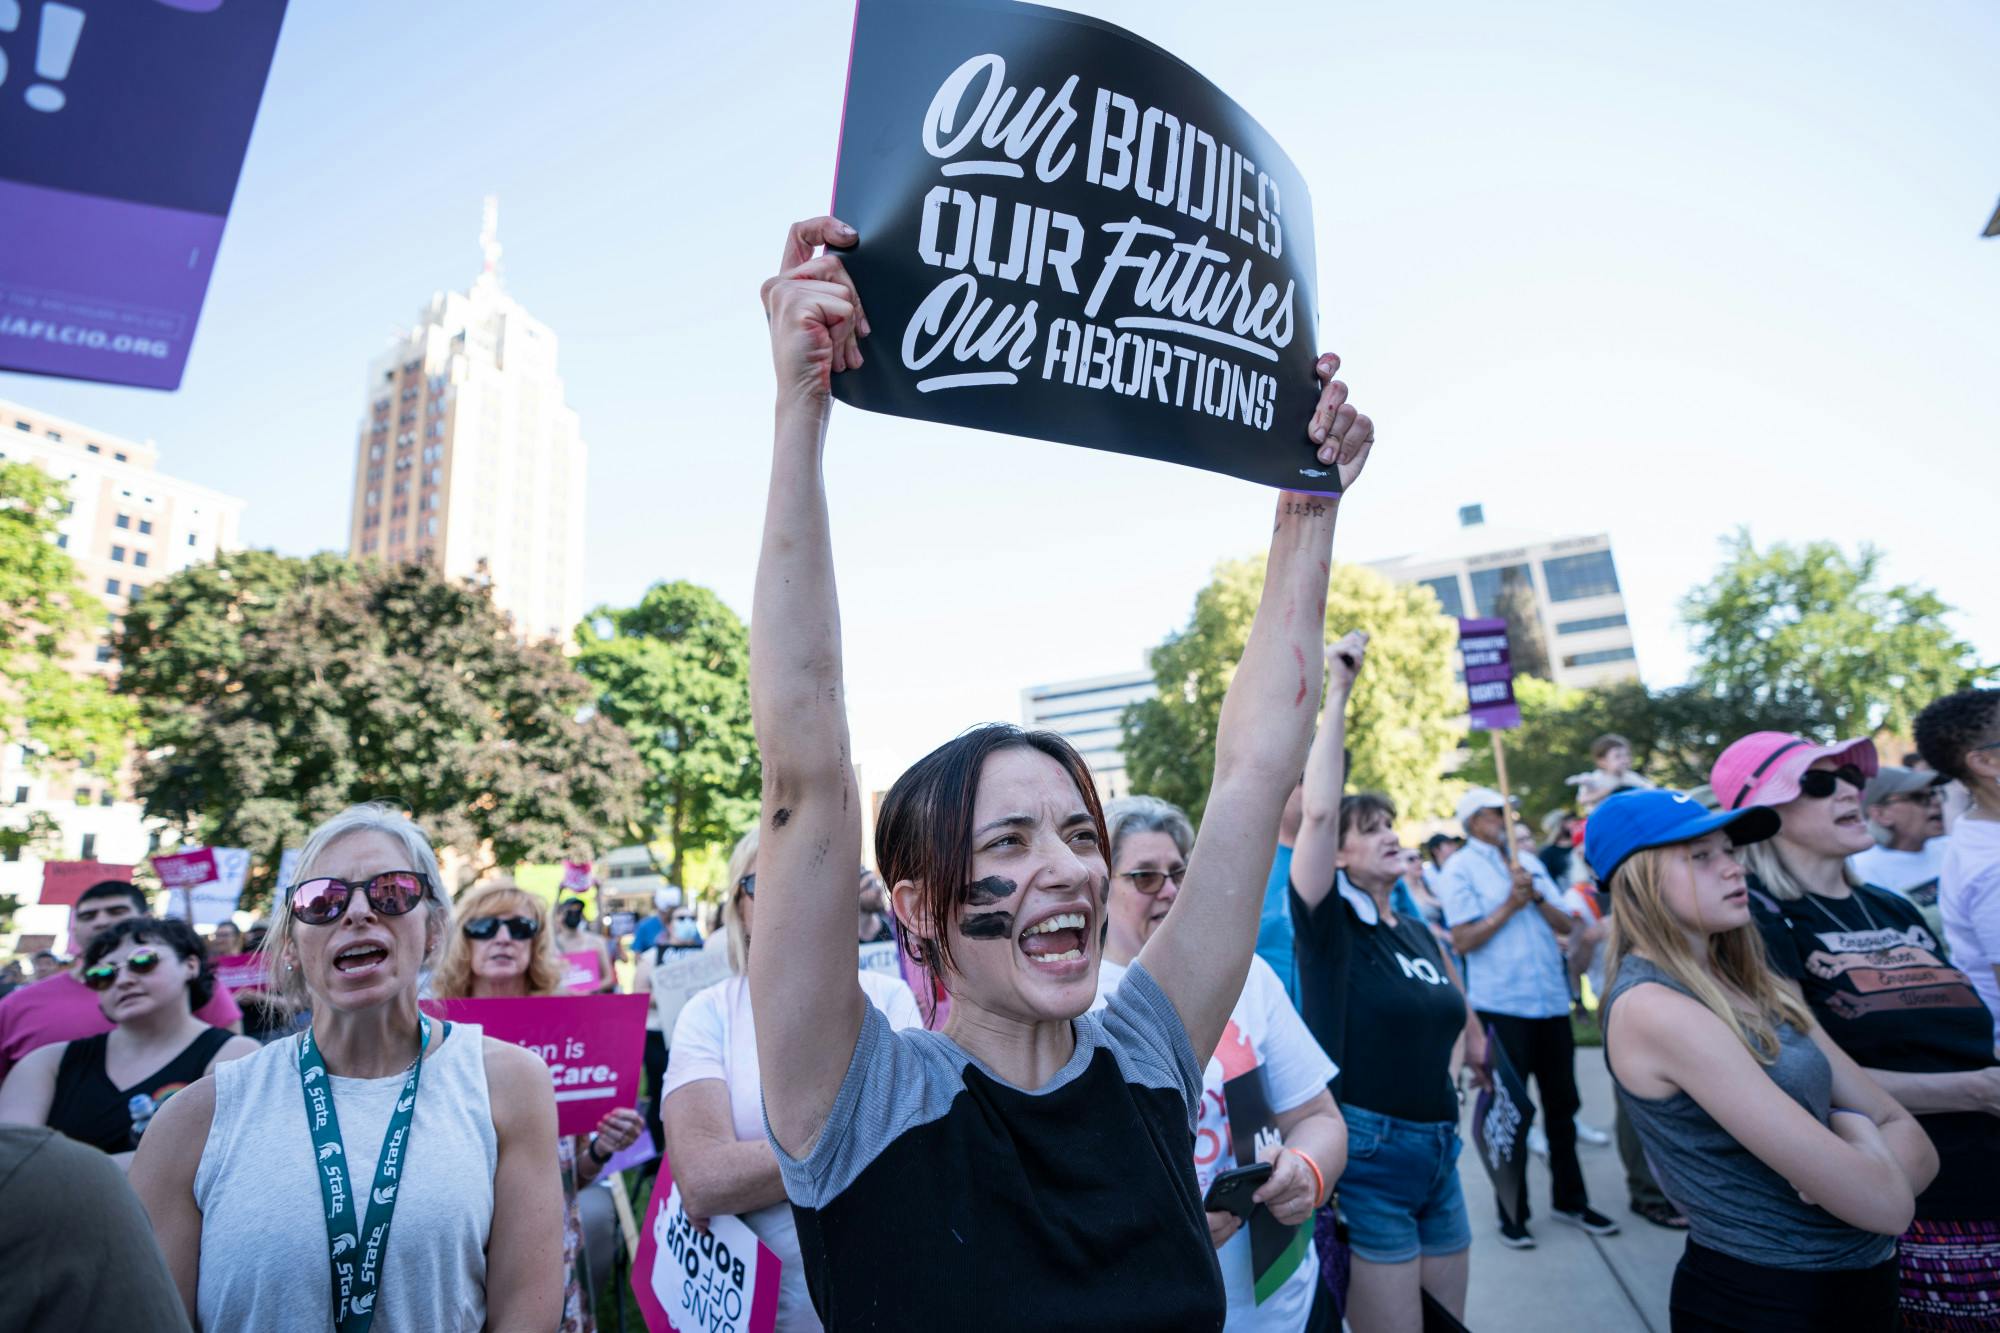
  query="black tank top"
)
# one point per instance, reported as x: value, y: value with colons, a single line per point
x: 90, y: 1109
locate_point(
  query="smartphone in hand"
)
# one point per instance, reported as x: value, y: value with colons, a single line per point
x: 1231, y: 1190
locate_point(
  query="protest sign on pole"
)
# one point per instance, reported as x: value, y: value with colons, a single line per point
x: 688, y: 1278
x: 1067, y: 233
x: 576, y: 877
x: 64, y: 881
x: 1489, y: 689
x: 239, y: 971
x: 122, y: 133
x: 1501, y: 1115
x: 211, y: 902
x: 179, y: 873
x: 593, y: 1045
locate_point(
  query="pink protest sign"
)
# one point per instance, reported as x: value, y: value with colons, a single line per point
x: 1489, y: 674
x: 688, y: 1279
x: 186, y: 870
x: 239, y: 971
x: 593, y: 1045
x: 576, y: 877
x: 63, y: 882
x: 583, y: 971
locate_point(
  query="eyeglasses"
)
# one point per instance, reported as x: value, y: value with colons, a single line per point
x: 139, y: 962
x: 747, y: 886
x: 1150, y: 882
x: 1928, y: 796
x: 1820, y: 783
x: 321, y: 902
x: 518, y: 927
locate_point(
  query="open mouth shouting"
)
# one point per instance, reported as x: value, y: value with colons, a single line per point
x: 363, y: 958
x: 1055, y: 939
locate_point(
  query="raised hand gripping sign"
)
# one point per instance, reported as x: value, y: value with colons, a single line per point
x: 1067, y: 233
x: 717, y: 1279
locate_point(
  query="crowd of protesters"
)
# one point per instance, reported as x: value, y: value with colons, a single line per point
x: 1066, y: 1069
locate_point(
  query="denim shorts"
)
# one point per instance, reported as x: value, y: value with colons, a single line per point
x: 1400, y: 1194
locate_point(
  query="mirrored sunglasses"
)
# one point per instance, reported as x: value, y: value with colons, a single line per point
x: 517, y: 927
x: 139, y: 962
x: 323, y: 901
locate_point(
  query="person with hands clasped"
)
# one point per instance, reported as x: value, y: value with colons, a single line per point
x: 1796, y: 1172
x: 503, y: 948
x: 1505, y: 920
x: 272, y: 1181
x: 1266, y: 1085
x: 1028, y: 1157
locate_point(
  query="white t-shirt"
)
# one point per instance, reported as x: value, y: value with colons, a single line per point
x: 1901, y: 872
x: 1969, y: 901
x: 715, y: 1037
x: 1264, y: 1030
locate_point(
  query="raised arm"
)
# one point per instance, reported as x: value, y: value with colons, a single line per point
x: 1318, y: 845
x: 1201, y: 953
x: 802, y: 972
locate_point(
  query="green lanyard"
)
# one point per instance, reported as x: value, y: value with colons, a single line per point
x: 357, y: 1268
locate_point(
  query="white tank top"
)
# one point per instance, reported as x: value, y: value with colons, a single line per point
x: 264, y: 1261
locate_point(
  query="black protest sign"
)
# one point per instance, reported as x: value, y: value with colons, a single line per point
x: 1500, y: 1119
x: 1069, y: 234
x: 1275, y: 1249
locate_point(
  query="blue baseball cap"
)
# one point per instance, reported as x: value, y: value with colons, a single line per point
x: 1632, y: 821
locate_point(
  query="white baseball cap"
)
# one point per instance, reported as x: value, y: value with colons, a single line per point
x: 1477, y: 799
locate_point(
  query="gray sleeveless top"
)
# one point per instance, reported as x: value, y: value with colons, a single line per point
x: 264, y: 1261
x: 1734, y: 1203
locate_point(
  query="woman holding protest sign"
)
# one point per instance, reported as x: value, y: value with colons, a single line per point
x: 1265, y: 1085
x: 712, y: 1100
x: 503, y: 948
x: 259, y: 1177
x: 1030, y: 1155
x: 1795, y: 1170
x: 150, y: 977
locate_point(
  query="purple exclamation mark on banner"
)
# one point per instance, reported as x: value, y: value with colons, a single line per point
x: 62, y: 28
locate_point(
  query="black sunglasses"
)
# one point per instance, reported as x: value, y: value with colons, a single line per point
x: 323, y: 901
x: 139, y: 962
x: 1820, y: 783
x: 518, y: 927
x: 747, y: 886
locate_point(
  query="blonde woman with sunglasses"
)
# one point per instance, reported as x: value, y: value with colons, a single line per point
x: 149, y: 978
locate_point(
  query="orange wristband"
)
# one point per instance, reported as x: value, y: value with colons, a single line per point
x: 1319, y: 1180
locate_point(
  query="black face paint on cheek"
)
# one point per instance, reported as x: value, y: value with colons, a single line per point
x: 987, y: 926
x: 986, y: 892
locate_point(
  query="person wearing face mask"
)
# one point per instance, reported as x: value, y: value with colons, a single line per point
x: 573, y: 936
x: 272, y: 1183
x: 150, y: 977
x: 1386, y: 1003
x: 62, y: 1008
x: 1794, y: 1168
x: 1264, y: 1091
x: 1029, y: 1157
x: 712, y: 1105
x: 502, y: 948
x: 1876, y: 979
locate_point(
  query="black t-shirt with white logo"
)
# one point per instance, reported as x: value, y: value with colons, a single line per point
x: 1876, y: 980
x: 1381, y: 1004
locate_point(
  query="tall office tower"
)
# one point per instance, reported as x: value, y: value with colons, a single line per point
x: 469, y: 460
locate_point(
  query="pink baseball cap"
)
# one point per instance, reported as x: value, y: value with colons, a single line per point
x: 1764, y: 767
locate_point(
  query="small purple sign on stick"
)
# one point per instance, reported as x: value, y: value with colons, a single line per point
x: 1489, y: 674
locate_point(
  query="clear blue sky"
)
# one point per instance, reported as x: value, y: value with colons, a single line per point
x: 1661, y: 270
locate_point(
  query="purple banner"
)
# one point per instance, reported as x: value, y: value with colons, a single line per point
x: 1489, y: 674
x: 122, y: 132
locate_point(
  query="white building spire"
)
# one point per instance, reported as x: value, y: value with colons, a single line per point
x: 489, y: 239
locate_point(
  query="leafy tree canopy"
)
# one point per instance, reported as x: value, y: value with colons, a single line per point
x: 1400, y: 721
x: 674, y: 673
x: 1809, y: 628
x: 280, y: 691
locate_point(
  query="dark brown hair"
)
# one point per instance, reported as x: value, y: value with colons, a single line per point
x: 176, y: 934
x: 1362, y: 809
x: 924, y: 831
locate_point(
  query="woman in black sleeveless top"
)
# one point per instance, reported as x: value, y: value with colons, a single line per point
x: 150, y: 977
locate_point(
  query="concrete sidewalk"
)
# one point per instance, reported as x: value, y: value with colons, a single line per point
x: 1570, y: 1280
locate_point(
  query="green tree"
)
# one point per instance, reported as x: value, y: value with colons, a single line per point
x: 55, y: 714
x: 1400, y: 731
x: 329, y: 684
x: 1807, y: 627
x: 674, y: 672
